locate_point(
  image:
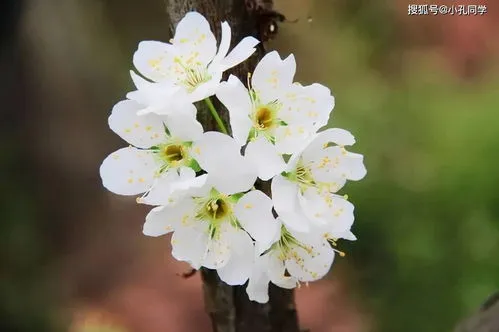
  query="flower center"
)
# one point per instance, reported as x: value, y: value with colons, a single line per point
x: 303, y: 176
x: 218, y: 209
x: 194, y: 77
x: 195, y: 72
x: 264, y: 118
x: 287, y: 244
x: 173, y: 153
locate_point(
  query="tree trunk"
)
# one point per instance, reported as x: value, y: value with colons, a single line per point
x: 229, y: 308
x: 485, y: 320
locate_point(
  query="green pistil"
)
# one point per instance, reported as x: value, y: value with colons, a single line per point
x: 264, y: 116
x: 302, y: 175
x: 215, y: 209
x: 286, y: 244
x: 172, y: 154
x: 195, y: 75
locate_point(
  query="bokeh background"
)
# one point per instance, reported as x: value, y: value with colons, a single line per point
x: 421, y: 94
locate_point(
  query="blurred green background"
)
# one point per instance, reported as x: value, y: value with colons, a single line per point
x: 420, y: 93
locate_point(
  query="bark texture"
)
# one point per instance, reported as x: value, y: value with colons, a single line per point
x: 229, y: 308
x: 485, y: 320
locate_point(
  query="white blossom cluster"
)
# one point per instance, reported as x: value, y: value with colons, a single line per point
x: 202, y: 185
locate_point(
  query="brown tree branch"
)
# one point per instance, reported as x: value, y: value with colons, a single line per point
x: 485, y: 320
x: 229, y: 307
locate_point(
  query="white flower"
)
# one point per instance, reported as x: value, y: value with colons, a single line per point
x: 160, y: 98
x: 209, y: 221
x: 190, y: 68
x: 209, y: 230
x: 293, y: 258
x: 160, y: 148
x: 304, y: 195
x: 275, y: 114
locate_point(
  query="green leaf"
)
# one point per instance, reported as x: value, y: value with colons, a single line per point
x: 235, y: 198
x: 167, y: 132
x: 195, y: 165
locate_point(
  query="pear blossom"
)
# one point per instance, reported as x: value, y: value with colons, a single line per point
x: 295, y: 257
x: 273, y: 113
x: 160, y: 148
x: 187, y: 69
x: 201, y: 185
x: 210, y: 222
x: 303, y: 195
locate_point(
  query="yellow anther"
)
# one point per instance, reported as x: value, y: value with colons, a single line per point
x: 341, y: 253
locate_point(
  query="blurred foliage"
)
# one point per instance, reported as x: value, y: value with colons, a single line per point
x: 427, y: 212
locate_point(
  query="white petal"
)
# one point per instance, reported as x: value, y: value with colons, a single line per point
x: 238, y: 268
x: 193, y: 36
x: 243, y: 50
x: 334, y: 165
x: 276, y: 271
x: 164, y: 219
x: 160, y: 98
x: 354, y: 165
x: 189, y: 244
x: 272, y: 76
x: 184, y: 126
x: 224, y: 43
x: 188, y: 184
x: 128, y: 171
x: 258, y: 285
x: 219, y: 155
x: 264, y: 155
x: 206, y: 89
x: 160, y: 191
x: 285, y: 199
x: 236, y: 99
x: 254, y: 213
x: 219, y: 248
x: 172, y: 187
x: 306, y: 105
x: 348, y: 236
x: 292, y: 138
x: 140, y: 82
x: 233, y: 176
x: 212, y: 148
x: 145, y: 93
x: 311, y: 264
x: 153, y: 58
x: 333, y: 135
x: 158, y: 222
x: 331, y: 211
x: 140, y: 131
